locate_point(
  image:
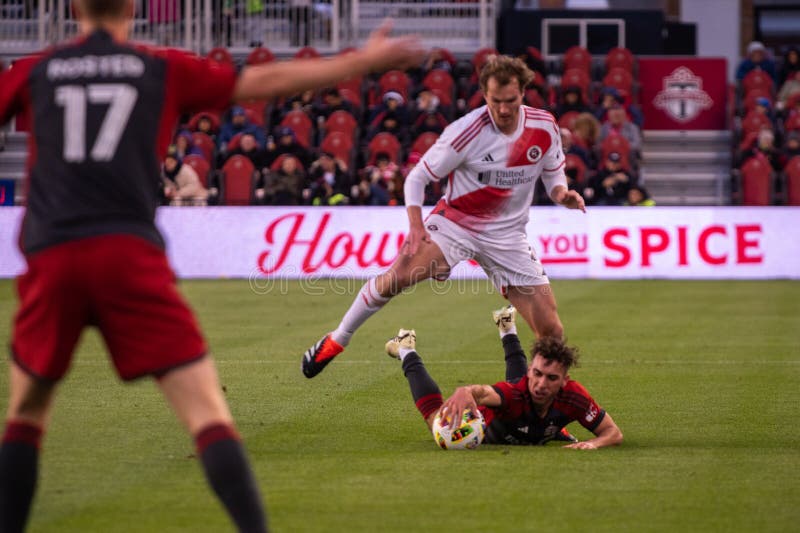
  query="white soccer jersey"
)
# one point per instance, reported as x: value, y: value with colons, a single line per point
x: 491, y: 175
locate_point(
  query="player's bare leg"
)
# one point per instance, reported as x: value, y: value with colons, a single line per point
x: 29, y: 406
x: 537, y: 305
x: 196, y: 396
x: 406, y: 271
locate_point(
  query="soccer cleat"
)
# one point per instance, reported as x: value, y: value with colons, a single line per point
x: 406, y: 338
x: 318, y: 356
x: 565, y: 436
x: 504, y: 318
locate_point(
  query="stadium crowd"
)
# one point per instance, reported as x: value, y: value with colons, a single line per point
x: 355, y: 143
x: 767, y: 128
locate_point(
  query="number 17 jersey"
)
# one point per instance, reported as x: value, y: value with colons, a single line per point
x: 102, y: 114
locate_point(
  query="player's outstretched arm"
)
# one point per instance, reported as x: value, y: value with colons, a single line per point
x: 569, y: 199
x: 470, y: 397
x: 607, y: 433
x: 285, y: 78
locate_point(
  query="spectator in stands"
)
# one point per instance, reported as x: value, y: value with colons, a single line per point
x: 791, y: 64
x: 283, y: 186
x: 392, y: 102
x: 248, y: 147
x: 380, y: 181
x: 585, y: 131
x: 305, y: 102
x: 789, y: 88
x: 571, y: 100
x: 184, y: 145
x: 791, y: 147
x: 610, y: 185
x: 182, y: 185
x: 389, y: 122
x: 638, y: 196
x: 569, y: 147
x: 238, y: 123
x: 429, y: 121
x: 331, y: 101
x: 763, y: 147
x: 757, y: 58
x: 439, y: 59
x: 206, y: 125
x: 765, y: 108
x: 534, y: 62
x: 286, y: 143
x: 329, y: 182
x: 619, y: 124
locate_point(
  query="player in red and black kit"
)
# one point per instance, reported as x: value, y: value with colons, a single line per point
x: 102, y: 113
x: 531, y: 407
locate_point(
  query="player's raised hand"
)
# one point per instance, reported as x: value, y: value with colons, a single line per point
x: 385, y: 52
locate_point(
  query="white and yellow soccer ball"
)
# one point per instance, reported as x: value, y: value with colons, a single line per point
x: 466, y: 436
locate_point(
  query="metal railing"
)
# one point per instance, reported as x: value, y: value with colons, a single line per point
x: 282, y: 26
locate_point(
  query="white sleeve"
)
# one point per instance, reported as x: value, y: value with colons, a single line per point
x: 437, y: 163
x: 414, y: 187
x: 553, y: 164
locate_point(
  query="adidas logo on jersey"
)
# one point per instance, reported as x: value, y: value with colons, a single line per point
x: 488, y: 158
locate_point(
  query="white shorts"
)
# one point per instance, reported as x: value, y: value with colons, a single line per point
x: 508, y: 261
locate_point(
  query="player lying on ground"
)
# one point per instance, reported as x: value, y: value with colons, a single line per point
x: 531, y: 407
x: 493, y: 156
x: 103, y: 111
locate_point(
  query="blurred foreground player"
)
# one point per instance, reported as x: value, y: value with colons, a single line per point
x: 532, y: 406
x: 102, y: 112
x: 492, y: 159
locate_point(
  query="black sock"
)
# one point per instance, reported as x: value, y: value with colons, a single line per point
x: 424, y: 390
x: 229, y: 474
x: 516, y: 361
x: 19, y: 458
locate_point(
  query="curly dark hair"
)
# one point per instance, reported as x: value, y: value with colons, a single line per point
x: 555, y: 349
x: 505, y: 69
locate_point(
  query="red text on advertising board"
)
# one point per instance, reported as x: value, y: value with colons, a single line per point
x: 564, y: 248
x: 323, y: 249
x: 741, y: 242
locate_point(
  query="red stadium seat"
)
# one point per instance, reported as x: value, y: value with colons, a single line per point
x: 301, y: 125
x: 792, y: 172
x: 619, y: 58
x: 238, y: 181
x: 792, y: 122
x: 446, y: 55
x: 395, y: 80
x: 476, y: 100
x: 578, y: 57
x: 793, y: 100
x: 205, y: 144
x: 201, y: 166
x: 255, y: 111
x: 423, y: 142
x: 574, y: 161
x: 438, y: 79
x: 260, y: 55
x: 212, y: 116
x: 307, y: 52
x: 534, y: 99
x: 339, y: 144
x: 617, y: 143
x: 281, y: 158
x: 221, y: 55
x: 755, y: 94
x: 757, y: 79
x: 349, y: 95
x: 384, y: 142
x: 748, y: 140
x: 567, y: 120
x: 621, y: 80
x: 577, y: 78
x: 341, y: 121
x: 756, y: 181
x: 755, y: 121
x: 233, y: 144
x: 482, y: 56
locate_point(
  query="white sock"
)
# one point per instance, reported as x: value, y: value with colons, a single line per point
x: 403, y: 352
x: 367, y: 303
x: 509, y: 331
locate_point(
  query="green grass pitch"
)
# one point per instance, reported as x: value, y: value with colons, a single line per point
x: 702, y: 377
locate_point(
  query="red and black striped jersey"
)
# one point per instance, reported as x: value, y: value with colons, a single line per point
x: 101, y: 115
x: 516, y: 421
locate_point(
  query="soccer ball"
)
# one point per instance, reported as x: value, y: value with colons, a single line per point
x: 466, y: 436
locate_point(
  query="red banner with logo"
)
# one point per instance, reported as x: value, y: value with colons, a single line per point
x: 684, y: 93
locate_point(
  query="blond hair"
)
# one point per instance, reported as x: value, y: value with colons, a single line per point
x: 505, y: 69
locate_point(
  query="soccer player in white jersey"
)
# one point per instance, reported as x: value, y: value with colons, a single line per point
x: 491, y: 158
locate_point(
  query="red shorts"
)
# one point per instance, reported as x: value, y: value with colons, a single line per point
x: 120, y: 283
